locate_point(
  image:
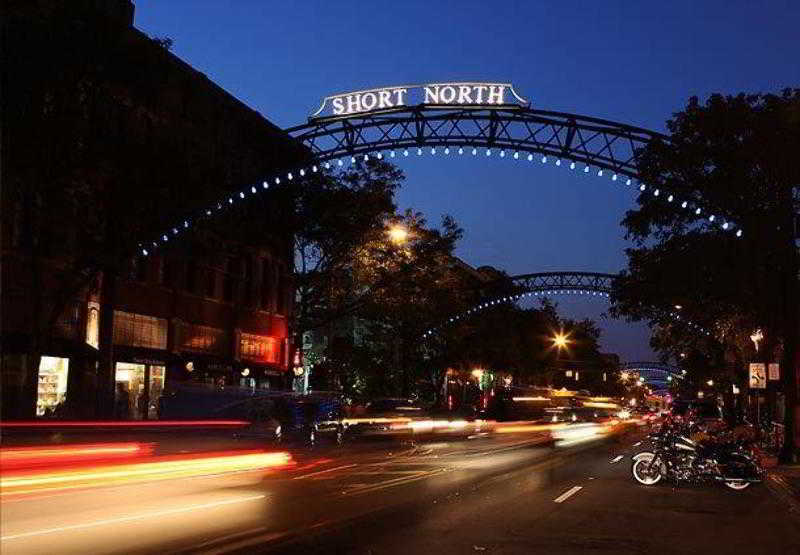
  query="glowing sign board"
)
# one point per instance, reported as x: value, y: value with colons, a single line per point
x: 466, y: 95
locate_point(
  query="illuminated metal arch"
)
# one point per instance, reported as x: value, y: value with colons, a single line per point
x: 527, y: 285
x: 603, y: 144
x: 592, y: 284
x: 655, y: 373
x: 604, y: 147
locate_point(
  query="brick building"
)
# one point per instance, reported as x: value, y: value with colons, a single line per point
x: 109, y: 139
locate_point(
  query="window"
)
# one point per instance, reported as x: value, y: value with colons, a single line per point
x: 211, y: 283
x: 204, y: 339
x: 52, y: 387
x: 266, y: 285
x: 259, y: 348
x: 191, y: 276
x: 165, y: 277
x: 229, y: 283
x: 247, y: 285
x: 138, y: 330
x: 138, y: 270
x: 283, y: 293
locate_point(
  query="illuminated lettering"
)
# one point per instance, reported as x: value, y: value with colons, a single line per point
x: 466, y: 94
x: 447, y: 94
x: 496, y: 94
x: 400, y: 92
x: 369, y: 101
x: 353, y: 103
x: 384, y: 101
x: 432, y: 95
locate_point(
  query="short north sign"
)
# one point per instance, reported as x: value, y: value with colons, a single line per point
x: 468, y: 95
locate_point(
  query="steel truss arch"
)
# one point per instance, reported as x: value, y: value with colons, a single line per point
x: 591, y: 284
x: 525, y: 285
x: 603, y: 144
x: 654, y: 372
x: 510, y: 131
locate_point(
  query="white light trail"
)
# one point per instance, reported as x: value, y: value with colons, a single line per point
x: 130, y: 518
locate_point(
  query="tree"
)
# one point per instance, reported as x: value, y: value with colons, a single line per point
x: 509, y: 339
x: 334, y: 216
x: 733, y: 158
x: 412, y: 281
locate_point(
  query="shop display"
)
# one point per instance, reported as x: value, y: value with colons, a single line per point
x: 52, y: 387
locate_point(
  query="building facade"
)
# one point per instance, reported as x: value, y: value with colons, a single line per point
x: 108, y: 138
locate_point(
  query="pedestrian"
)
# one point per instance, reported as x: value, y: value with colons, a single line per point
x: 122, y: 402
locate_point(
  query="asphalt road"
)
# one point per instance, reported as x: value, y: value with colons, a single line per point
x: 574, y: 502
x: 497, y: 494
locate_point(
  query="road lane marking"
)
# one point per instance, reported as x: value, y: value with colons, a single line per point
x: 616, y: 459
x: 389, y: 483
x: 637, y: 444
x: 324, y: 471
x: 567, y: 494
x: 133, y: 517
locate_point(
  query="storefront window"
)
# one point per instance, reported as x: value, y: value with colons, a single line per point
x: 52, y: 389
x: 130, y: 399
x: 93, y: 324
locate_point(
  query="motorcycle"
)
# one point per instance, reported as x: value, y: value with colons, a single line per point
x: 676, y: 457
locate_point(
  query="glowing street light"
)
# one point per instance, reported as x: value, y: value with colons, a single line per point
x: 560, y: 340
x: 756, y: 337
x: 710, y: 383
x: 398, y: 234
x: 477, y: 373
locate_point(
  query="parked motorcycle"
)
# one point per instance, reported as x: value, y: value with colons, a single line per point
x: 676, y: 457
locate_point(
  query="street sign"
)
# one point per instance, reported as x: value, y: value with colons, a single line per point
x: 758, y: 375
x: 774, y: 371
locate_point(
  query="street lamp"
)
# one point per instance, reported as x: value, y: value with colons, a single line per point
x: 398, y: 234
x: 756, y: 337
x: 560, y: 340
x: 710, y: 383
x: 477, y: 373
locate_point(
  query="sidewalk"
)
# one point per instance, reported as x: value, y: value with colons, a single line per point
x: 784, y: 481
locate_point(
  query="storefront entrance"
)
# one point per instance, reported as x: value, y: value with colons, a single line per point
x: 138, y: 388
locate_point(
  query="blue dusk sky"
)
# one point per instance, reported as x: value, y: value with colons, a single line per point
x: 635, y: 62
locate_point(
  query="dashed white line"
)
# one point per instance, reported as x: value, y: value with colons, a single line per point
x: 567, y: 494
x: 616, y: 459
